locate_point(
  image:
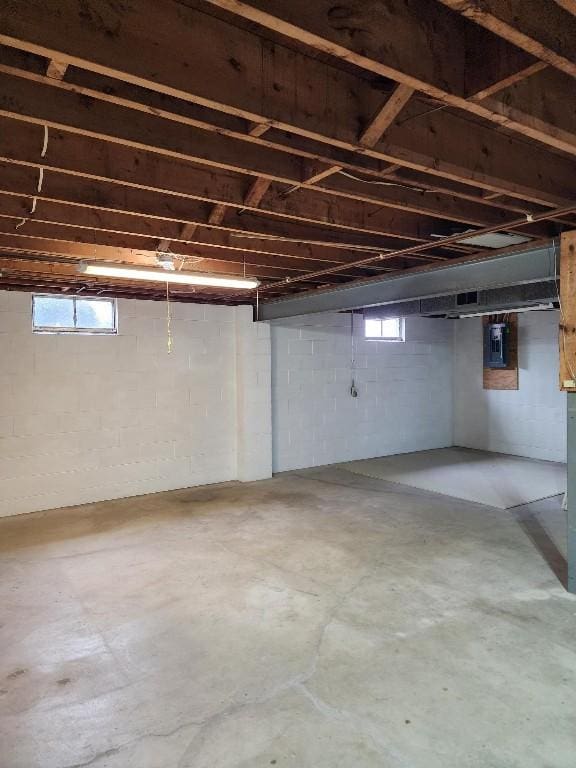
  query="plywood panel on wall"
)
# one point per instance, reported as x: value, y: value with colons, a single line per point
x: 567, y: 334
x: 504, y: 378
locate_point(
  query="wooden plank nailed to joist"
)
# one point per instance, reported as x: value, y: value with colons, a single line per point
x: 567, y: 330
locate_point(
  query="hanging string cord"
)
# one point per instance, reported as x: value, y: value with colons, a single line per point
x: 353, y: 390
x: 352, y: 350
x: 168, y: 319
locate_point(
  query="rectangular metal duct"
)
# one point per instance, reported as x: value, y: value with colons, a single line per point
x: 447, y: 279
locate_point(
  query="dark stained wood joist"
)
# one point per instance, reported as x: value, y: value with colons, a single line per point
x: 74, y: 153
x: 77, y: 224
x: 370, y: 135
x: 312, y: 142
x: 32, y: 103
x: 569, y: 210
x: 498, y: 86
x: 542, y: 29
x: 390, y: 40
x: 185, y: 180
x: 567, y: 5
x: 382, y: 230
x: 260, y: 75
x: 50, y: 242
x: 98, y: 204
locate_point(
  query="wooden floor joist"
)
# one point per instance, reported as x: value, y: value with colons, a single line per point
x: 413, y: 40
x: 233, y: 88
x: 527, y: 25
x: 76, y: 115
x: 287, y: 138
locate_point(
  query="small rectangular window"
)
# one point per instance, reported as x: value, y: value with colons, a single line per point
x: 73, y: 314
x: 384, y: 329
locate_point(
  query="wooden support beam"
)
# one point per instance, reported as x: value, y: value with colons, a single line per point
x: 371, y: 135
x: 96, y: 205
x: 567, y: 338
x: 258, y: 129
x: 506, y: 82
x: 116, y: 92
x: 423, y: 135
x: 319, y: 174
x: 539, y: 28
x: 567, y: 333
x: 44, y: 241
x: 209, y: 149
x: 568, y: 5
x: 188, y: 230
x: 311, y: 207
x: 385, y: 116
x: 56, y: 69
x: 407, y: 51
x: 217, y: 214
x: 83, y: 158
x: 369, y: 161
x: 557, y: 213
x: 545, y: 99
x: 391, y: 41
x: 127, y: 216
x: 256, y: 193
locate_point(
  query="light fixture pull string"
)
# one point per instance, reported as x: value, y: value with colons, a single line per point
x: 168, y: 318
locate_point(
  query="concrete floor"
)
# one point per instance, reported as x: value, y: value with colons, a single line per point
x: 317, y: 620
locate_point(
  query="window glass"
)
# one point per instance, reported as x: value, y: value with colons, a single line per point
x: 385, y: 329
x: 94, y: 313
x: 53, y: 312
x: 391, y: 327
x: 374, y: 328
x: 71, y: 314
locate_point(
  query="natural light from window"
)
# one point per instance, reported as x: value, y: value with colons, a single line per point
x: 73, y: 314
x: 384, y: 329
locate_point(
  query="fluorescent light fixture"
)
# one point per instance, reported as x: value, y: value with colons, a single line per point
x: 156, y: 275
x: 507, y: 311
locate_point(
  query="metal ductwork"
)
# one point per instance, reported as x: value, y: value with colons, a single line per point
x: 501, y: 281
x: 493, y: 301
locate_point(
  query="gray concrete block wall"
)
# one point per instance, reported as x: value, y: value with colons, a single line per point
x: 530, y: 421
x: 404, y: 398
x: 86, y: 418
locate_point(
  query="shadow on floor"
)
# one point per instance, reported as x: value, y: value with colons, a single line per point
x: 545, y: 539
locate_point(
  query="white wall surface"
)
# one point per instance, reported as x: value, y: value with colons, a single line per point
x: 530, y: 421
x: 254, y: 414
x: 86, y: 418
x: 405, y: 391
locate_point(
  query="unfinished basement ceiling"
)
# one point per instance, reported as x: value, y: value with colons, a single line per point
x: 305, y: 145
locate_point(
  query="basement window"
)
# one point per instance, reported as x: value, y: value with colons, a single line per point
x: 73, y: 314
x: 384, y: 329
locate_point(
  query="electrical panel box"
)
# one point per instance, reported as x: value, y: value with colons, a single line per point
x: 496, y: 336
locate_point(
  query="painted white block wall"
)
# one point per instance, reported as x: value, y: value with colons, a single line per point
x: 530, y: 421
x: 254, y: 415
x: 88, y: 418
x: 405, y: 391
